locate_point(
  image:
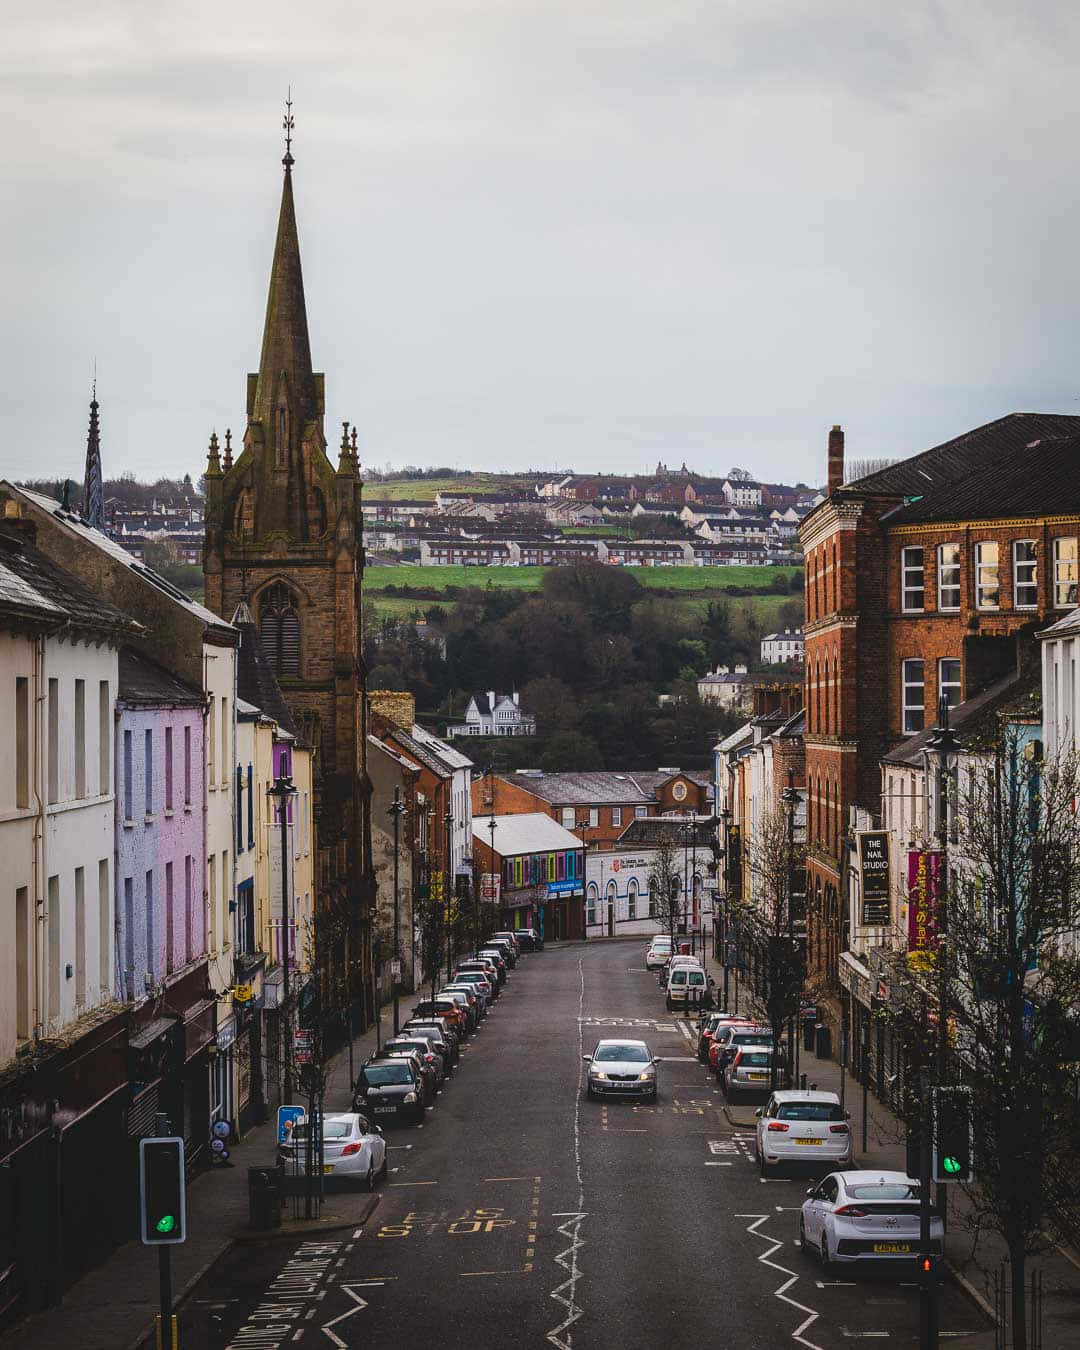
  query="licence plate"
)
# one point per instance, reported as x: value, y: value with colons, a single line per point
x: 382, y: 1110
x: 327, y: 1168
x: 808, y: 1141
x: 892, y: 1248
x: 757, y: 1077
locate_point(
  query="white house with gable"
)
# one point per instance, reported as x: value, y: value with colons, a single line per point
x: 494, y: 714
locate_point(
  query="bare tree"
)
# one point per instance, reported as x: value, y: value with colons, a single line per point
x: 664, y: 878
x: 1007, y: 971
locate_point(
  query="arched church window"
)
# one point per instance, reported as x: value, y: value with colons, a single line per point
x: 279, y: 629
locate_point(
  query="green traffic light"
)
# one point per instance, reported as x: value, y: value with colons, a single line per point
x: 951, y: 1164
x: 166, y: 1223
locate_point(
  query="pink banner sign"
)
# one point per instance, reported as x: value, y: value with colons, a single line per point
x: 924, y: 894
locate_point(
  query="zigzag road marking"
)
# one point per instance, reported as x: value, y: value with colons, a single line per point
x: 573, y: 1312
x: 781, y: 1291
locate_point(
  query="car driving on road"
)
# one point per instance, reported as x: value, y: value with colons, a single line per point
x: 659, y: 952
x: 389, y: 1088
x: 865, y: 1218
x: 621, y: 1069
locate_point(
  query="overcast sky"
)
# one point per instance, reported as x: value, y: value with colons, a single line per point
x: 538, y: 233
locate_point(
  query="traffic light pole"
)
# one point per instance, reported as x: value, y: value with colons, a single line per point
x: 166, y: 1339
x: 928, y: 1287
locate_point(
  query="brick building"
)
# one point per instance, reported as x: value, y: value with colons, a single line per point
x: 283, y: 533
x: 920, y: 580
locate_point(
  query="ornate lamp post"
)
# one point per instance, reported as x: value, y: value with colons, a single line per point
x: 282, y: 792
x: 790, y: 798
x: 725, y: 817
x: 394, y: 812
x: 448, y: 821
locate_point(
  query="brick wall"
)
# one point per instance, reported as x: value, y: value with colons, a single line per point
x: 395, y: 706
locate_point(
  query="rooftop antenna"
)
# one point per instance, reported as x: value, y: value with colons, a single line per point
x: 288, y: 125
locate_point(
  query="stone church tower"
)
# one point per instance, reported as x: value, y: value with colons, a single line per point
x: 283, y: 534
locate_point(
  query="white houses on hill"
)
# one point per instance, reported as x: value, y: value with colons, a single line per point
x: 492, y: 714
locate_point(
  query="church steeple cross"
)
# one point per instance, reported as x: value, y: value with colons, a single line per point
x: 287, y: 126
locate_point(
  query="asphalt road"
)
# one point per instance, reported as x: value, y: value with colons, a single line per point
x: 522, y: 1214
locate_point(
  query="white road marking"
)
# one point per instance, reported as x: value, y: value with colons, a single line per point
x: 835, y: 1284
x: 860, y: 1335
x: 572, y: 1228
x: 358, y: 1302
x: 719, y: 1164
x: 781, y: 1292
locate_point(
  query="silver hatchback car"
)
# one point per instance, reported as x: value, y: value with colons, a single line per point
x: 621, y: 1069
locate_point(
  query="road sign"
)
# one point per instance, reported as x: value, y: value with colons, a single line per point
x: 162, y: 1194
x: 287, y: 1118
x: 395, y: 968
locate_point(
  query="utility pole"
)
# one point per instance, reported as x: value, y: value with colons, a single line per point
x: 448, y: 821
x: 282, y: 790
x: 928, y: 1287
x: 395, y: 975
x: 791, y: 798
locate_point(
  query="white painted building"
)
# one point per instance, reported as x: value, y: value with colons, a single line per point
x: 58, y: 679
x: 619, y: 882
x: 783, y: 648
x: 460, y: 767
x: 740, y: 493
x: 493, y: 714
x: 1061, y: 685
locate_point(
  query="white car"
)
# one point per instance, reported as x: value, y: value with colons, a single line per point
x: 803, y: 1127
x: 864, y: 1217
x: 351, y: 1148
x: 659, y: 953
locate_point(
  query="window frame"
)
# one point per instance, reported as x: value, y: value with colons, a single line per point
x: 941, y: 587
x: 1059, y: 564
x: 908, y: 568
x: 1032, y: 582
x: 957, y: 684
x: 980, y: 567
x: 907, y: 684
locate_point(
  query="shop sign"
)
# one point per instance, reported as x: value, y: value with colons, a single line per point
x: 303, y: 1046
x: 226, y: 1034
x: 490, y: 885
x: 924, y: 896
x: 874, y: 869
x: 243, y: 993
x: 562, y: 887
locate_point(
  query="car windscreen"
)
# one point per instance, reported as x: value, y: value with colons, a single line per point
x: 756, y: 1059
x: 810, y: 1111
x: 888, y: 1191
x: 634, y: 1054
x: 380, y: 1075
x: 408, y: 1045
x: 752, y: 1038
x: 332, y: 1129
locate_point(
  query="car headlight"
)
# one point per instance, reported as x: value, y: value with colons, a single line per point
x: 647, y: 1076
x: 597, y: 1073
x: 410, y: 1097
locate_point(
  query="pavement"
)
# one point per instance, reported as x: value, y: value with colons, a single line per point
x: 114, y: 1305
x: 520, y: 1212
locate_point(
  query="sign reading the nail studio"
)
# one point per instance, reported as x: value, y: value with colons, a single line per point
x: 874, y: 870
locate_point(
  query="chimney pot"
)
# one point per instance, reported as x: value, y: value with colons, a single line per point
x: 836, y: 459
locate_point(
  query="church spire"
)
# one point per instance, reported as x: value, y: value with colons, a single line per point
x: 93, y: 491
x: 285, y: 375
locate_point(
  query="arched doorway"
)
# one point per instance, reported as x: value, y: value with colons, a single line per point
x: 611, y: 902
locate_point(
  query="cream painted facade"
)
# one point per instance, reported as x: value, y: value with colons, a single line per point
x: 219, y: 687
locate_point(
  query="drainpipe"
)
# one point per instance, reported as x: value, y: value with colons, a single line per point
x: 40, y: 844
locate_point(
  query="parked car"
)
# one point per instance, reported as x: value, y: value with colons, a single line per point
x: 466, y: 1000
x: 440, y: 1036
x: 446, y: 1008
x: 484, y: 966
x: 803, y: 1127
x: 530, y: 940
x: 733, y: 1038
x: 425, y: 1047
x: 869, y: 1218
x: 688, y: 987
x: 389, y: 1087
x: 500, y: 954
x: 352, y: 1147
x: 478, y: 1000
x: 621, y: 1069
x: 750, y: 1070
x: 512, y: 938
x: 429, y: 1081
x: 506, y: 947
x: 478, y: 981
x: 712, y: 1024
x: 658, y: 953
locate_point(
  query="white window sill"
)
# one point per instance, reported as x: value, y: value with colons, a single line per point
x: 150, y: 817
x: 129, y: 824
x: 169, y: 813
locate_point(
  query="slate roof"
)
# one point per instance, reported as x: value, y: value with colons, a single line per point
x: 428, y: 758
x: 1065, y: 627
x: 976, y: 720
x: 1022, y: 464
x: 255, y: 681
x: 143, y: 682
x: 600, y: 788
x: 35, y: 580
x: 652, y: 830
x: 120, y: 554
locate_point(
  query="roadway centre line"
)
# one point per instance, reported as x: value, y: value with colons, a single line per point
x: 414, y: 1183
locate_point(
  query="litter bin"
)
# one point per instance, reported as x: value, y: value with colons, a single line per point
x: 823, y: 1048
x: 264, y: 1197
x: 808, y: 1032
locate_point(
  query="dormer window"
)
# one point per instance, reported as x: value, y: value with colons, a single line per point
x: 279, y: 629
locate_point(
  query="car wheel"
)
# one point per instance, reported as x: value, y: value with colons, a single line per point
x: 384, y: 1170
x: 802, y: 1232
x: 670, y: 1005
x: 369, y: 1180
x: 826, y: 1265
x: 763, y: 1166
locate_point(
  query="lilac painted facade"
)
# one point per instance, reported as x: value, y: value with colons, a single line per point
x: 160, y: 829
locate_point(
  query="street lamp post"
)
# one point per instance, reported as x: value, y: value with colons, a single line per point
x: 448, y: 821
x: 395, y: 975
x: 583, y: 825
x: 282, y: 791
x: 725, y: 817
x: 791, y: 798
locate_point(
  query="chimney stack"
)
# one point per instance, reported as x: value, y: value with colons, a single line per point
x: 836, y: 459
